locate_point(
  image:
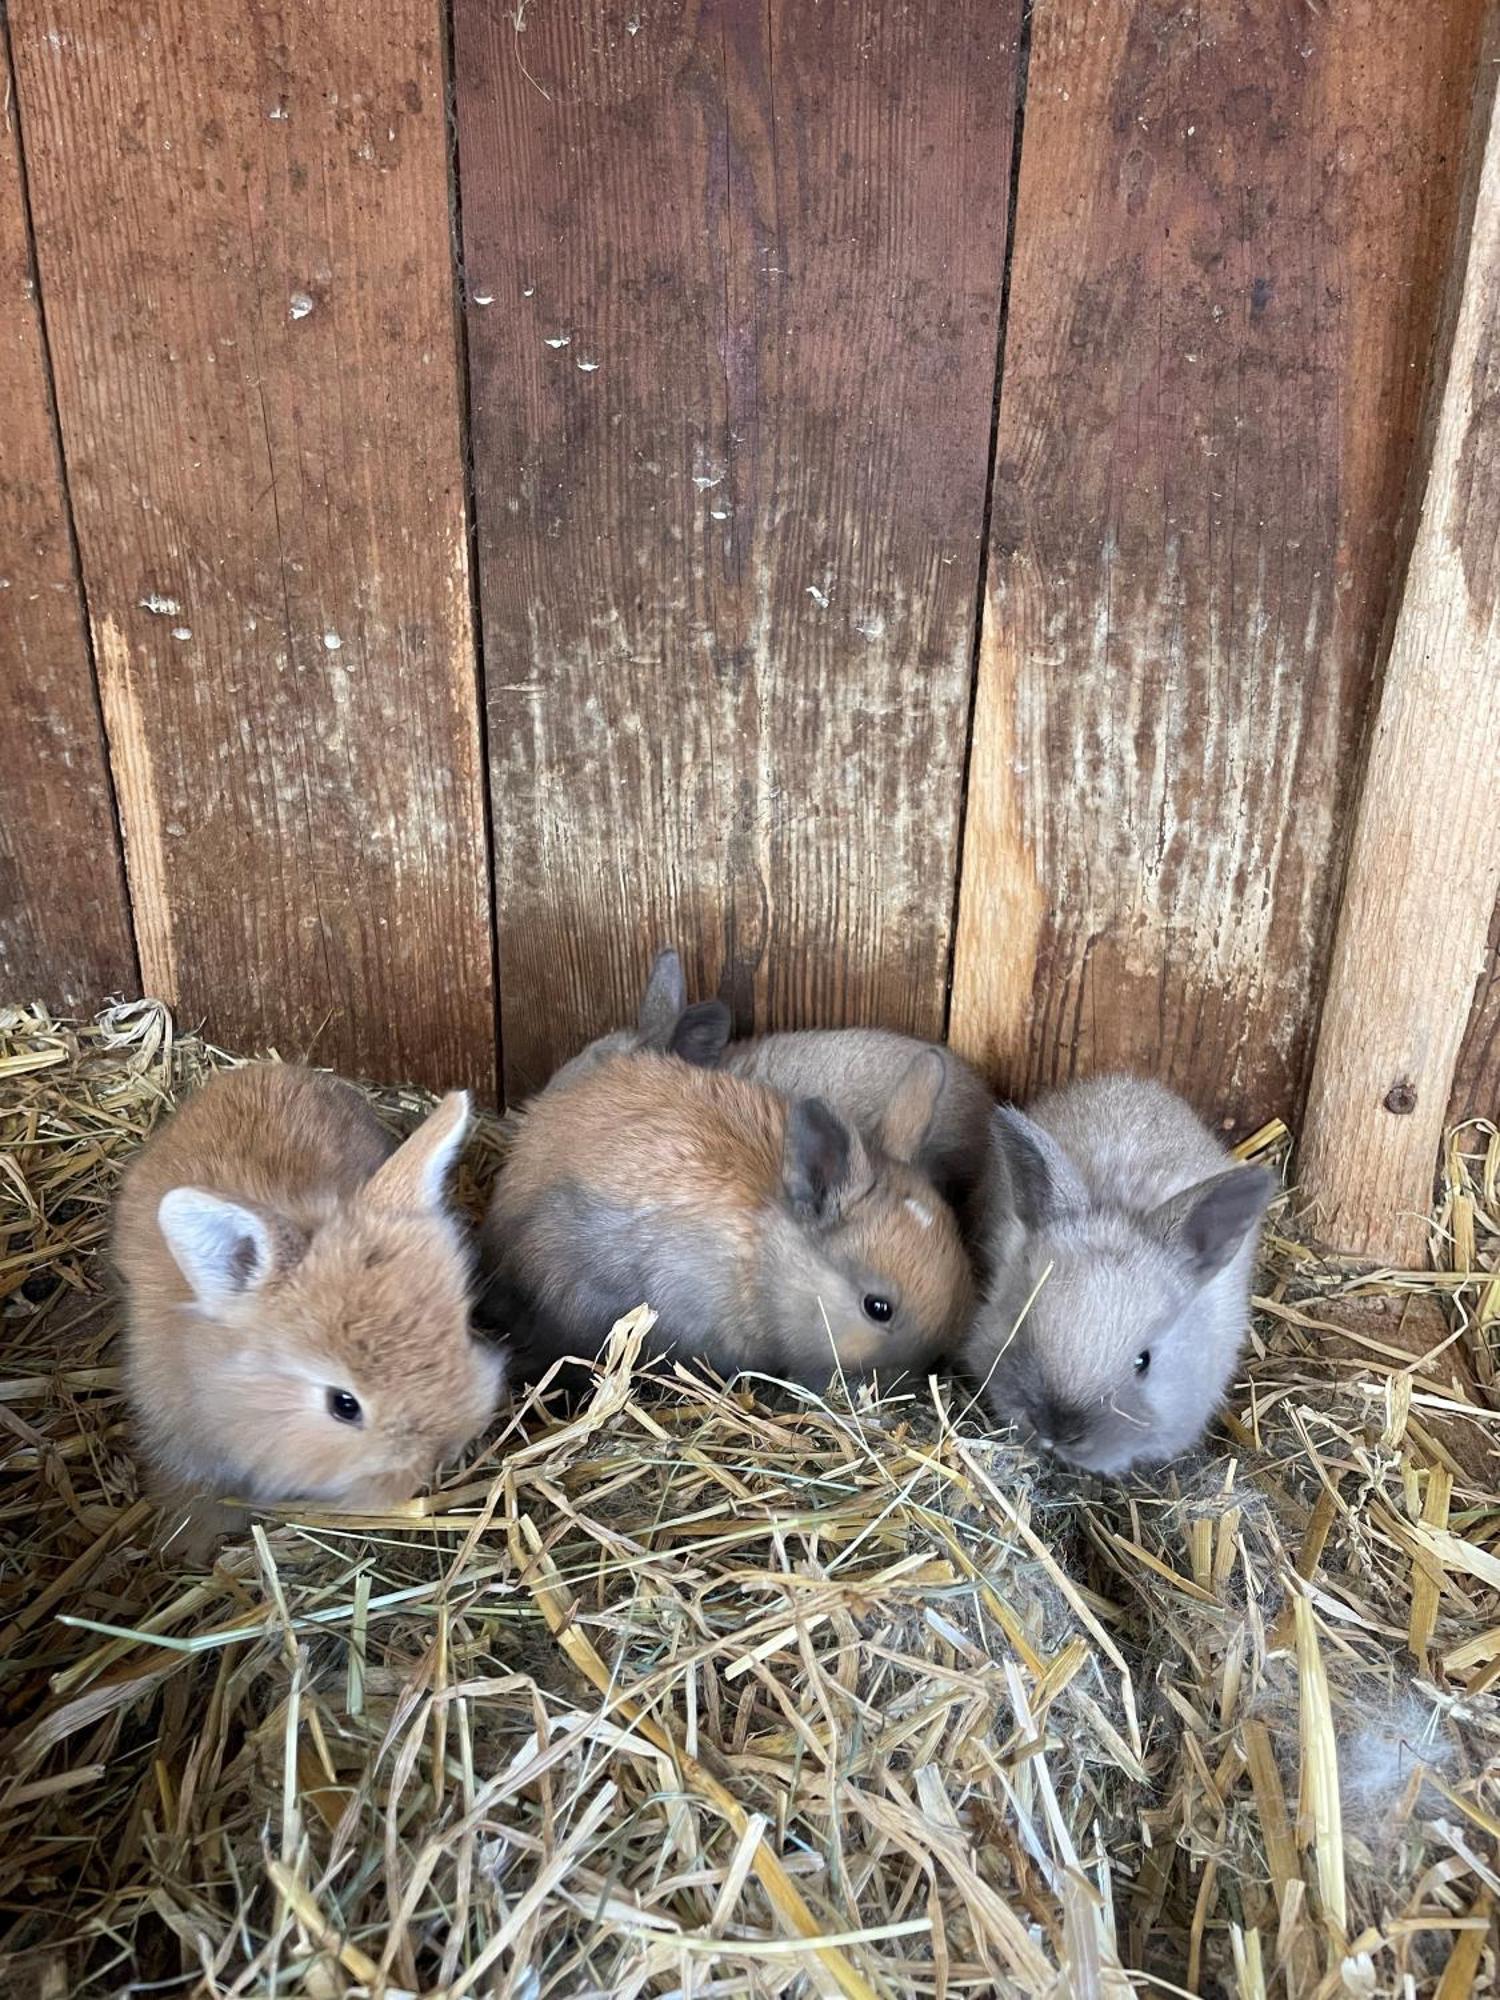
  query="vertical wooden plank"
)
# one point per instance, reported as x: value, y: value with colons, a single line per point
x: 1476, y: 1082
x: 242, y: 221
x: 64, y: 920
x: 733, y: 276
x: 1424, y: 861
x: 1229, y: 248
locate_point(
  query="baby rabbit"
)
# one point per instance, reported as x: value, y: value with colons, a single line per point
x: 1146, y: 1231
x: 856, y: 1071
x: 665, y: 1025
x: 298, y: 1296
x: 765, y: 1233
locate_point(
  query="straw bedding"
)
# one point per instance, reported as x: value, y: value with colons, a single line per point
x: 727, y: 1693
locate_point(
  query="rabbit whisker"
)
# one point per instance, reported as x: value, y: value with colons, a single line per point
x: 1139, y: 1422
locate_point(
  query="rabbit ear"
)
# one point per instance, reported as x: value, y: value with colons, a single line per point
x: 699, y: 1035
x: 824, y: 1165
x: 913, y: 1105
x: 415, y: 1174
x: 221, y: 1248
x: 1043, y: 1181
x: 1207, y: 1225
x: 663, y: 1000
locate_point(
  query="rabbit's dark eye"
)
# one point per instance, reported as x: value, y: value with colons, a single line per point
x: 344, y: 1407
x: 1143, y: 1361
x: 877, y: 1308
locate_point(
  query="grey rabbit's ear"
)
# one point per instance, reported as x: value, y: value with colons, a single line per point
x: 700, y: 1033
x: 663, y: 1000
x: 824, y: 1166
x: 1208, y: 1225
x: 913, y: 1104
x: 1043, y: 1181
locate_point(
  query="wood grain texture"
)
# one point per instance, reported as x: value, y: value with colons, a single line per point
x: 242, y: 223
x: 1476, y: 1080
x: 1230, y: 240
x: 1424, y: 862
x: 733, y: 276
x: 64, y: 920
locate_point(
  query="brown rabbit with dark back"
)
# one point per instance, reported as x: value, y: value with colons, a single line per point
x: 766, y: 1234
x: 297, y: 1296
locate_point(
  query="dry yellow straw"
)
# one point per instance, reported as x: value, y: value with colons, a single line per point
x: 737, y: 1688
x: 1320, y: 1811
x: 787, y: 1899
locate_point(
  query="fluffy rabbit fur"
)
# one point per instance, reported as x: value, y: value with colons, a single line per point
x: 767, y: 1235
x: 298, y: 1296
x: 1137, y: 1233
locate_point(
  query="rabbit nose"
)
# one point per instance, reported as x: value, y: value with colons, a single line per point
x: 1060, y: 1423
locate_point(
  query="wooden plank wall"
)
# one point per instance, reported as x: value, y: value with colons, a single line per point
x: 731, y: 280
x: 64, y: 921
x: 1230, y: 243
x: 734, y: 278
x: 241, y: 220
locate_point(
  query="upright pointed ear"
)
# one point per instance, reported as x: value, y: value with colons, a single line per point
x: 700, y: 1034
x: 1043, y: 1181
x: 913, y: 1104
x: 222, y: 1248
x: 416, y: 1173
x: 1209, y: 1224
x: 824, y: 1166
x: 663, y: 1000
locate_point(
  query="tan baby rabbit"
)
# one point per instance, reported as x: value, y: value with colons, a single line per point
x: 297, y: 1296
x: 766, y: 1233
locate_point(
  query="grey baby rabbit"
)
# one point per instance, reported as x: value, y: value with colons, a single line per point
x: 766, y: 1234
x: 1137, y: 1233
x: 858, y: 1072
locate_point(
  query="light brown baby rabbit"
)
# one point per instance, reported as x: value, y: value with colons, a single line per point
x: 298, y: 1296
x: 766, y: 1233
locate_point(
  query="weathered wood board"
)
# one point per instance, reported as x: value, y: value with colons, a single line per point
x: 64, y: 921
x: 1230, y: 240
x: 242, y: 222
x: 733, y: 277
x: 1424, y: 860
